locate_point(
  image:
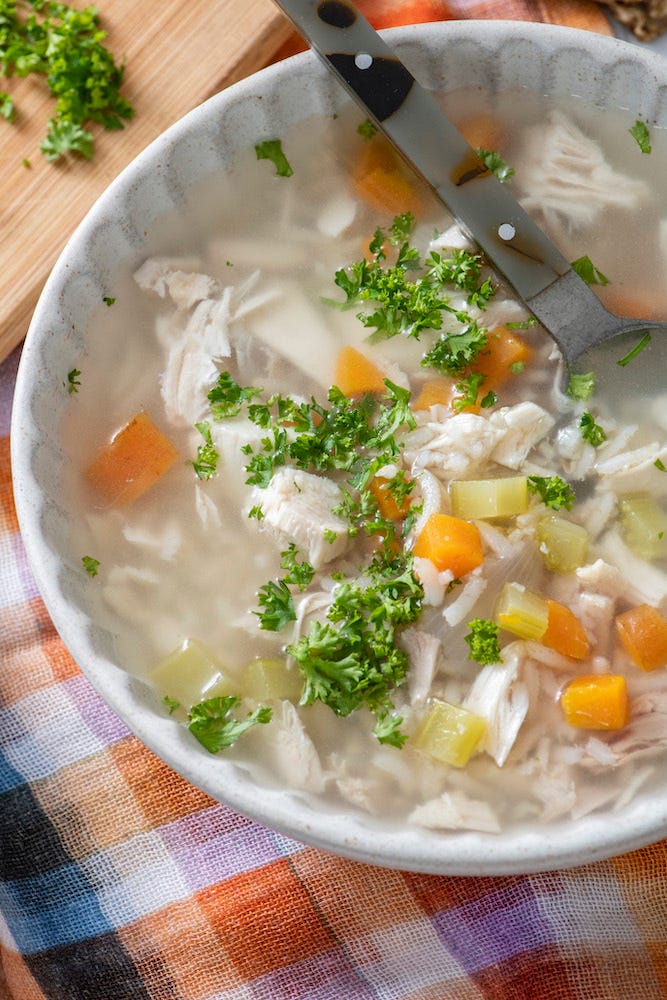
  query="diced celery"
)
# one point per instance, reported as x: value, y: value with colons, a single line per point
x: 449, y: 733
x: 522, y: 612
x: 643, y: 525
x: 191, y: 674
x: 563, y: 544
x: 264, y: 679
x: 475, y: 499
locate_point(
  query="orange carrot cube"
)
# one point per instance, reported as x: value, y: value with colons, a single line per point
x: 451, y: 544
x: 137, y: 456
x: 643, y: 634
x: 596, y: 701
x: 565, y: 633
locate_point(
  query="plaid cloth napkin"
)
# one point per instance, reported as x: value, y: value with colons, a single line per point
x: 120, y: 881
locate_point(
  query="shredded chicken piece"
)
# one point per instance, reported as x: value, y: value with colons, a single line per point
x: 424, y: 651
x: 522, y: 427
x: 500, y: 698
x: 455, y: 811
x: 567, y: 180
x: 297, y: 506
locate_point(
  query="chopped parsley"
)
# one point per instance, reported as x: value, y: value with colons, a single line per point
x: 206, y: 463
x: 272, y: 150
x: 352, y: 659
x: 299, y: 573
x: 170, y: 704
x: 91, y: 565
x: 469, y: 389
x: 409, y: 296
x: 494, y: 162
x: 660, y: 465
x: 637, y: 349
x: 483, y: 641
x: 591, y: 432
x: 227, y: 397
x: 275, y: 598
x: 73, y: 381
x: 641, y: 135
x: 213, y: 724
x: 452, y: 353
x: 553, y: 491
x: 588, y: 272
x: 367, y: 129
x: 64, y: 45
x: 581, y: 386
x: 7, y: 107
x: 108, y: 300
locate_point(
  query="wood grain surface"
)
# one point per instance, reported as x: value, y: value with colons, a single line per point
x: 177, y: 53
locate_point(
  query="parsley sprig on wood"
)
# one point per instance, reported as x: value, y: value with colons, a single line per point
x: 64, y: 45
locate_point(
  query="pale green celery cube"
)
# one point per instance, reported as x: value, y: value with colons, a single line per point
x: 449, y: 733
x: 563, y: 544
x: 643, y: 525
x: 476, y: 499
x: 191, y: 674
x: 265, y: 679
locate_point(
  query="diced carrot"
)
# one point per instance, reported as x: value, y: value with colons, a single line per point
x: 504, y: 349
x: 356, y: 375
x: 451, y: 544
x: 441, y: 391
x: 137, y: 456
x: 383, y: 181
x: 596, y: 701
x: 643, y: 634
x: 386, y: 501
x: 383, y: 15
x: 565, y: 633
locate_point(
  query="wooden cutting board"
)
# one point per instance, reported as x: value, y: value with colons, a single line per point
x: 177, y: 53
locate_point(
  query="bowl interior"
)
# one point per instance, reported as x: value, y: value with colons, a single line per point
x: 488, y: 55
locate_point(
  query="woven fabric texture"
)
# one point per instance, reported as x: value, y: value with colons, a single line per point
x: 120, y: 881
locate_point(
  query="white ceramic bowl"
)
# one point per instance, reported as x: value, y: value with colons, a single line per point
x: 443, y: 56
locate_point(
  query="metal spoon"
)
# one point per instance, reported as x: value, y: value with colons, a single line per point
x: 567, y: 308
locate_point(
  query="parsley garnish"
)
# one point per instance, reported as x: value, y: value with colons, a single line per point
x: 299, y: 573
x: 641, y: 135
x: 483, y: 641
x: 409, y: 296
x: 276, y: 600
x: 495, y: 163
x: 367, y: 129
x: 637, y: 349
x: 660, y: 465
x: 64, y: 45
x: 588, y: 272
x: 108, y: 300
x: 272, y: 150
x: 227, y: 397
x: 581, y: 386
x: 590, y: 431
x: 553, y: 491
x: 7, y: 108
x: 91, y: 566
x: 352, y: 659
x: 454, y: 352
x: 73, y: 382
x: 212, y: 722
x: 469, y: 389
x: 170, y: 704
x: 206, y: 463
